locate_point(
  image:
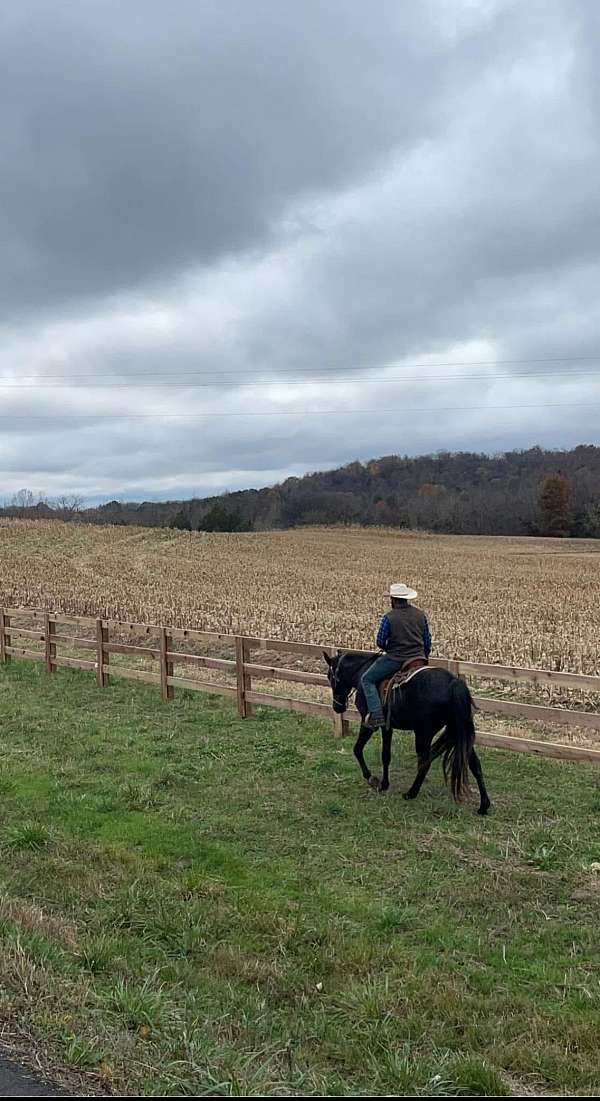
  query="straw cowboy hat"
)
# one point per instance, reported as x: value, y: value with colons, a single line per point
x: 402, y: 592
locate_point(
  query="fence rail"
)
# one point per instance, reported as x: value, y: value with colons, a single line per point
x: 245, y: 670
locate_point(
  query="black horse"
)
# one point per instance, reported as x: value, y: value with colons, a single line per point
x: 431, y: 701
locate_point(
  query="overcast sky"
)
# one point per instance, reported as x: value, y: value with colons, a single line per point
x: 335, y: 229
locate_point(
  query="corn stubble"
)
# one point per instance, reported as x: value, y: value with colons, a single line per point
x: 506, y: 600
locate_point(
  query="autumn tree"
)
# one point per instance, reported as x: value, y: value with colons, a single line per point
x: 554, y: 505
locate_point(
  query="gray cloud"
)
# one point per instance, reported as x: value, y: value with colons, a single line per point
x: 276, y: 193
x: 144, y: 137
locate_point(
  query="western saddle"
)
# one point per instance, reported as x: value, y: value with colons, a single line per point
x: 399, y: 679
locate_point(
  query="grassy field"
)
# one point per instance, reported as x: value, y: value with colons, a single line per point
x: 192, y: 904
x: 511, y: 601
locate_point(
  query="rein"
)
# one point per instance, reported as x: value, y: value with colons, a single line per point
x: 339, y: 703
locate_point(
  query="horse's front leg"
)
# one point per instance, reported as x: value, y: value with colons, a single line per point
x: 364, y: 734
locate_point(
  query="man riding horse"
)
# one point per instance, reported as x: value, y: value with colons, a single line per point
x: 431, y: 702
x: 405, y: 639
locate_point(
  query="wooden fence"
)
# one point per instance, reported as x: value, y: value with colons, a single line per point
x: 246, y: 669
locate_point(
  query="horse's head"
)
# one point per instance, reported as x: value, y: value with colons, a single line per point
x: 339, y: 687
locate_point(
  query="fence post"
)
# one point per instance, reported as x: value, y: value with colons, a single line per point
x: 166, y: 667
x: 4, y: 637
x: 49, y: 633
x: 246, y: 658
x: 243, y: 680
x: 341, y: 726
x: 102, y: 655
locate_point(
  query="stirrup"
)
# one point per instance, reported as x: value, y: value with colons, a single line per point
x: 373, y: 724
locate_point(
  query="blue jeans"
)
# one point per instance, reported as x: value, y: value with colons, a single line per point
x: 381, y: 668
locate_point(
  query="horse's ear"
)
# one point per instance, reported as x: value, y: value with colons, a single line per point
x: 327, y: 658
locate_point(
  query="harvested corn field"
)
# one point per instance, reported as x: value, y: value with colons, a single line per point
x: 506, y: 600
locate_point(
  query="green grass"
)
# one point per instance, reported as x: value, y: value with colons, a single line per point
x: 191, y: 904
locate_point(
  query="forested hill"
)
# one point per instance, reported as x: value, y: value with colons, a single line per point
x: 516, y: 493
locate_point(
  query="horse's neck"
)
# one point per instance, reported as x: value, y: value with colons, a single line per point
x: 354, y: 665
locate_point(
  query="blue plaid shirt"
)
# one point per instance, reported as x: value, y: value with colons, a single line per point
x: 383, y: 635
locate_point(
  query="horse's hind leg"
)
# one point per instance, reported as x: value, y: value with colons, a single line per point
x: 476, y: 769
x: 364, y: 734
x: 386, y: 757
x: 422, y: 748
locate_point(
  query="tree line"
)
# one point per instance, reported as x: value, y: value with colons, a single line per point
x: 525, y: 492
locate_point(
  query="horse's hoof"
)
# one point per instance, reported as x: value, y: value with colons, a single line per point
x: 483, y: 810
x: 408, y: 795
x: 382, y: 789
x: 374, y: 782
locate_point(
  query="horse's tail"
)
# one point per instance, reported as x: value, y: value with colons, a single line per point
x: 457, y: 740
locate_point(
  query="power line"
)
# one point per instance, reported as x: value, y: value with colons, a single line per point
x: 142, y: 382
x: 335, y: 380
x: 308, y: 412
x: 322, y: 370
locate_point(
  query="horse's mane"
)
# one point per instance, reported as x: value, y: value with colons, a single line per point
x: 351, y: 661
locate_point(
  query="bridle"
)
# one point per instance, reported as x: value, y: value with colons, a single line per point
x: 343, y: 704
